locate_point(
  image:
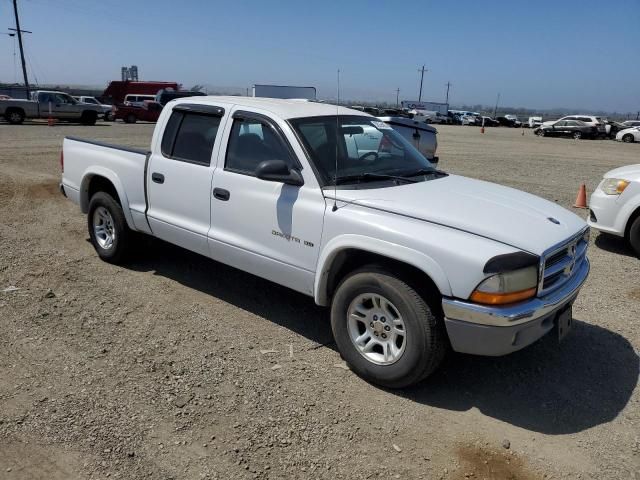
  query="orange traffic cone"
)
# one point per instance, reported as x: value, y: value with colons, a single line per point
x: 581, y: 199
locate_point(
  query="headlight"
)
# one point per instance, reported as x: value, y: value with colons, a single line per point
x: 507, y: 287
x: 613, y: 186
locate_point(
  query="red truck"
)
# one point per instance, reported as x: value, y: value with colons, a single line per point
x: 149, y: 112
x: 117, y: 89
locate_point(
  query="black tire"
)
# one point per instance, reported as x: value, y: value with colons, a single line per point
x: 426, y: 340
x: 14, y: 116
x: 88, y: 118
x: 131, y: 118
x: 628, y: 138
x: 577, y: 135
x: 540, y: 132
x: 634, y: 235
x: 122, y: 239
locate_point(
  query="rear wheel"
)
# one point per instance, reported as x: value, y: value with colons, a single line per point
x: 577, y: 135
x: 386, y: 332
x: 628, y: 138
x: 89, y: 118
x: 634, y: 235
x: 14, y: 116
x: 108, y: 228
x: 131, y: 118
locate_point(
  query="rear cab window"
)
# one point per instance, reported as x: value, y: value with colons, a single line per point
x: 190, y: 136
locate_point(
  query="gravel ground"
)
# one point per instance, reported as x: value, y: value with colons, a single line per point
x: 176, y: 367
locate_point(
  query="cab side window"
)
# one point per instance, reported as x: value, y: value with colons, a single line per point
x: 189, y: 137
x: 252, y: 142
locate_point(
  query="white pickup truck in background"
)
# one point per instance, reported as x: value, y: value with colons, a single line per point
x: 335, y: 204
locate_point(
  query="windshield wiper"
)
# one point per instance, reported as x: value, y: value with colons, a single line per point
x: 367, y: 177
x: 426, y: 171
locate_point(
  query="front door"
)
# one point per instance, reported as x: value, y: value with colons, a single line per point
x: 268, y: 228
x: 179, y: 176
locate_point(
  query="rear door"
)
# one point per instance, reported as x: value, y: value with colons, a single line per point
x: 51, y: 104
x: 179, y: 175
x: 572, y: 127
x: 267, y: 228
x: 558, y: 128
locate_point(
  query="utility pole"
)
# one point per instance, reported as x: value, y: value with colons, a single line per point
x: 495, y: 110
x: 447, y: 100
x: 422, y: 70
x: 397, y: 97
x: 19, y: 32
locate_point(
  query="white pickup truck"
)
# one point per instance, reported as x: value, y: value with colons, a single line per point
x: 411, y: 260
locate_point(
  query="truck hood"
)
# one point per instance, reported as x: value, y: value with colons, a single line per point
x: 500, y: 213
x: 630, y: 172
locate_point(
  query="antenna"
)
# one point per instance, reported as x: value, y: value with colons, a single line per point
x: 335, y: 173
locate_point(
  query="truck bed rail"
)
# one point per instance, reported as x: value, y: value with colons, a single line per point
x: 110, y: 145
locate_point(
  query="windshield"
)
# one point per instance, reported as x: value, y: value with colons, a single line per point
x: 364, y: 145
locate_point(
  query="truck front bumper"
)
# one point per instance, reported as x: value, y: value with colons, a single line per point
x: 494, y: 331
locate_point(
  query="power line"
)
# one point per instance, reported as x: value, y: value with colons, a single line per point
x: 19, y: 32
x: 422, y: 70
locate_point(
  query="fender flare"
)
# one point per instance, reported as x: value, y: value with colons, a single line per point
x: 97, y: 171
x: 393, y: 251
x: 627, y: 211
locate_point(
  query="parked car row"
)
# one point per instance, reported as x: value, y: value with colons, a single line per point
x: 589, y: 126
x: 46, y: 104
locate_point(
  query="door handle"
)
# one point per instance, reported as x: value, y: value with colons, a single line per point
x: 157, y: 177
x: 221, y: 194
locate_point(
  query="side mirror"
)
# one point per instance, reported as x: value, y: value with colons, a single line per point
x: 278, y: 171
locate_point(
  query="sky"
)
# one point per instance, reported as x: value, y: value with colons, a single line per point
x: 538, y: 53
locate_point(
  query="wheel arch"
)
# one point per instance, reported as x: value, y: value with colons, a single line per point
x: 13, y: 108
x: 10, y: 109
x: 103, y: 180
x: 344, y: 255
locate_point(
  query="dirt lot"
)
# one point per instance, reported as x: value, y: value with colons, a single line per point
x: 176, y: 367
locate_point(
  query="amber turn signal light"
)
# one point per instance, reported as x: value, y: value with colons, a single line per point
x: 502, y: 298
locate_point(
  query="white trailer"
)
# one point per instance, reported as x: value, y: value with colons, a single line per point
x: 442, y: 108
x: 284, y: 91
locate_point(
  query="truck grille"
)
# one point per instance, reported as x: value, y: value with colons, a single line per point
x: 559, y: 263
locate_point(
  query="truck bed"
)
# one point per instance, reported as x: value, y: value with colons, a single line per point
x: 124, y: 166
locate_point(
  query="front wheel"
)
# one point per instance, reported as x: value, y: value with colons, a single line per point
x: 131, y: 118
x: 577, y: 135
x: 386, y: 332
x: 108, y: 228
x: 634, y: 235
x: 628, y: 138
x: 540, y: 133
